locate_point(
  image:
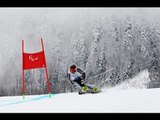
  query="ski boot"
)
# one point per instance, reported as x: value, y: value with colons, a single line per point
x: 95, y: 90
x: 84, y: 90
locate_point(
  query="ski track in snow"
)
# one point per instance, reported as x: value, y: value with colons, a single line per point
x: 16, y: 101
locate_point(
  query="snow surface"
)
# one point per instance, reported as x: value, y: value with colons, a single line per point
x: 113, y: 100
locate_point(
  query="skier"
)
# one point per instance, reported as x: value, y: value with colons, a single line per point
x: 77, y: 78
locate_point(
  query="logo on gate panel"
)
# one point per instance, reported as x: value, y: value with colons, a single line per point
x: 33, y: 58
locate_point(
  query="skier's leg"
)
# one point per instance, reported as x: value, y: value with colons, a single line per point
x: 89, y: 85
x: 81, y: 90
x: 77, y: 86
x: 92, y: 87
x: 78, y: 80
x: 84, y: 88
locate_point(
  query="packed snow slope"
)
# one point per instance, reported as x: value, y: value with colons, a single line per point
x: 113, y: 100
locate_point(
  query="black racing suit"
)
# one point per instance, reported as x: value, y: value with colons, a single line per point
x: 78, y: 79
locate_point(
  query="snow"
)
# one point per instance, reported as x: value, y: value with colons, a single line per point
x: 139, y: 81
x: 111, y: 100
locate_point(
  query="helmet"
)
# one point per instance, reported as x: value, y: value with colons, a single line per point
x: 73, y: 66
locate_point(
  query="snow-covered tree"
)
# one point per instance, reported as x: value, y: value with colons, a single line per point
x: 92, y: 65
x: 128, y: 48
x: 102, y: 61
x: 79, y: 49
x: 128, y: 35
x: 154, y: 68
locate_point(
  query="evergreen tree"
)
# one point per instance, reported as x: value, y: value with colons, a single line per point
x: 154, y: 68
x: 93, y: 60
x: 79, y: 49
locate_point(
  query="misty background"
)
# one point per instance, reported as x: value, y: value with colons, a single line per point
x: 111, y: 45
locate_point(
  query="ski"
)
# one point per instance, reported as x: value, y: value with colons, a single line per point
x: 82, y: 93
